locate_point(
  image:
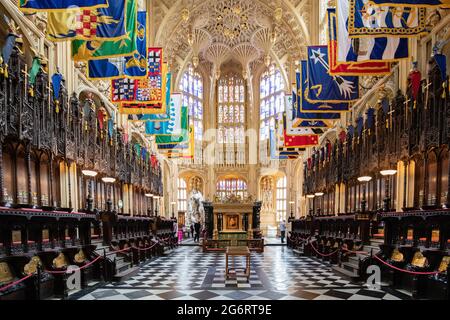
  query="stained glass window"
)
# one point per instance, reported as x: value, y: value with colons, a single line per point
x: 191, y: 86
x: 182, y: 194
x: 231, y: 120
x: 281, y: 199
x: 231, y: 186
x: 271, y: 107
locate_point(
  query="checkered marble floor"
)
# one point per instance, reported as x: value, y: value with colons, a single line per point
x: 189, y: 274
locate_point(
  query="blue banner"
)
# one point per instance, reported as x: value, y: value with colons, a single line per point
x: 58, y: 5
x: 56, y: 83
x: 412, y: 3
x: 9, y: 46
x: 312, y: 124
x: 119, y: 67
x: 316, y: 106
x: 367, y: 19
x: 302, y: 103
x: 95, y: 24
x: 384, y: 49
x: 322, y: 86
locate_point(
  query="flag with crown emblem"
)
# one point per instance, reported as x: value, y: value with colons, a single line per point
x: 88, y: 24
x: 60, y: 5
x: 134, y: 66
x: 83, y: 50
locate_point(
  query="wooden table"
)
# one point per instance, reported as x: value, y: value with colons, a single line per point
x: 237, y: 252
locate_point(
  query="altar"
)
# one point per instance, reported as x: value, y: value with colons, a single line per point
x: 233, y: 221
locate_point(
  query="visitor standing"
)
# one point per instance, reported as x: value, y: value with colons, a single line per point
x: 180, y: 234
x: 283, y: 230
x: 197, y: 232
x: 192, y: 230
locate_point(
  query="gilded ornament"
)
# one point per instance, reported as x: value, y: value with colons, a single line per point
x: 5, y: 273
x: 444, y: 264
x: 419, y: 260
x: 397, y: 256
x: 60, y: 261
x: 80, y: 257
x: 31, y: 267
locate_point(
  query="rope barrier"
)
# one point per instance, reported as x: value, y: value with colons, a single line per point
x: 376, y: 257
x: 118, y: 251
x: 73, y: 270
x: 323, y: 254
x: 80, y: 268
x: 357, y: 252
x: 15, y: 282
x: 404, y: 270
x: 145, y: 249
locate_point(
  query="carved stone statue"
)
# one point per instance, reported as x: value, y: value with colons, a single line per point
x: 196, y: 212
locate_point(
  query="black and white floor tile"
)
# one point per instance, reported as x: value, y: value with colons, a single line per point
x: 189, y: 274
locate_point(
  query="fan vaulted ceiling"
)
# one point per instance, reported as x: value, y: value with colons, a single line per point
x: 209, y: 33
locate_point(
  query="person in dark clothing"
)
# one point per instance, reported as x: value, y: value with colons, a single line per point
x: 283, y: 230
x: 192, y: 230
x: 197, y: 232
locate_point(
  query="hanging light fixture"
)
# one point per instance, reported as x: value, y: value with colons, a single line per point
x: 89, y: 173
x: 108, y: 180
x: 364, y: 178
x: 388, y: 172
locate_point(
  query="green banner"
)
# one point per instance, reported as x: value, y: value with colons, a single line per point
x: 94, y: 50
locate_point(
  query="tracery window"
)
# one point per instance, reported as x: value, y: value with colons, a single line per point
x: 231, y: 120
x: 182, y: 194
x: 281, y: 198
x: 231, y: 186
x: 191, y: 86
x: 271, y: 108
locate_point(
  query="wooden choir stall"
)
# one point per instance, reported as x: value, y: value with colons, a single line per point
x: 357, y: 217
x: 59, y: 152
